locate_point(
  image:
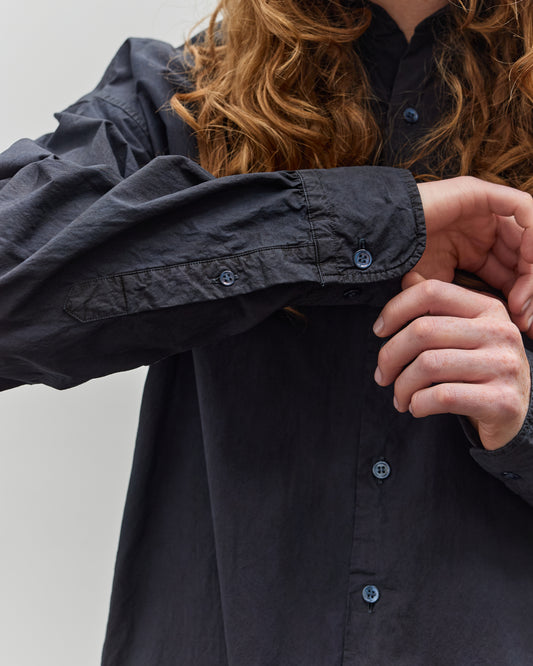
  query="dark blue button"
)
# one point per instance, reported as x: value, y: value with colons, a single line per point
x: 410, y: 115
x: 370, y: 594
x: 381, y: 470
x: 362, y: 259
x: 227, y: 278
x: 511, y: 475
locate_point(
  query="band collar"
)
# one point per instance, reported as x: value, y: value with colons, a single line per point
x: 384, y: 25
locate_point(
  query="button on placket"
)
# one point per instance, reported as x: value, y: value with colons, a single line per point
x: 370, y: 595
x: 381, y: 470
x: 410, y: 115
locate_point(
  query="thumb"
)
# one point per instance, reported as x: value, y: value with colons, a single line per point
x: 411, y: 278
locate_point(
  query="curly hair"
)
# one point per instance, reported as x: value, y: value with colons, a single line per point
x: 277, y: 84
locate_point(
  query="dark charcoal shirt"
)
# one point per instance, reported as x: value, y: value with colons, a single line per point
x: 280, y: 511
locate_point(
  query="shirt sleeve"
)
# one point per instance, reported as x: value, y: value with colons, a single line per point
x: 114, y: 255
x: 512, y: 464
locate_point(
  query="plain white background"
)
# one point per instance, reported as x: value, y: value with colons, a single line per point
x: 65, y: 456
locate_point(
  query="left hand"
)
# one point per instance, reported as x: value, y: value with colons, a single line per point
x: 459, y: 353
x: 483, y: 228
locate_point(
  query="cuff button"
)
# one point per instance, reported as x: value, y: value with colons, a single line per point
x: 362, y: 259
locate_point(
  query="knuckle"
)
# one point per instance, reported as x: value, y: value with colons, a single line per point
x: 446, y: 395
x: 508, y: 333
x: 469, y: 183
x: 414, y: 406
x: 510, y: 362
x: 526, y: 197
x: 424, y: 328
x: 431, y: 289
x: 428, y: 360
x: 384, y: 356
x: 387, y: 359
x: 509, y: 403
x: 498, y: 307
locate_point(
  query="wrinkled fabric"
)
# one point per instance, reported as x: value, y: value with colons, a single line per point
x: 254, y: 518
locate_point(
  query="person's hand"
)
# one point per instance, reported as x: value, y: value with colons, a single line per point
x: 458, y: 353
x: 483, y: 228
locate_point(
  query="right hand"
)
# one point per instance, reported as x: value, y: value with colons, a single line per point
x: 483, y: 228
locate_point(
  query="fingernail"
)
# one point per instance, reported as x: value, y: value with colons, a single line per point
x: 378, y: 325
x: 378, y: 376
x: 525, y: 306
x: 529, y: 322
x: 395, y: 403
x: 410, y: 408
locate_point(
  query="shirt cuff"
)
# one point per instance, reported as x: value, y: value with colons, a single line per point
x: 367, y: 222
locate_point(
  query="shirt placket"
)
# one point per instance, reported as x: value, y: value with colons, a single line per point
x: 371, y: 586
x: 374, y: 590
x: 410, y: 114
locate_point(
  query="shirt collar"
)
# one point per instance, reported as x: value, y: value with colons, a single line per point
x: 384, y: 25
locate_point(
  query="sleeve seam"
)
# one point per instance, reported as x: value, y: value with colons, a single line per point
x: 312, y: 229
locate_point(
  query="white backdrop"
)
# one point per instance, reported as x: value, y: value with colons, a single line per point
x: 65, y: 456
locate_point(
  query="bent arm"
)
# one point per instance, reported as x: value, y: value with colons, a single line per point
x: 112, y: 257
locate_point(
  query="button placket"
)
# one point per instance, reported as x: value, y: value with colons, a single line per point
x: 369, y: 536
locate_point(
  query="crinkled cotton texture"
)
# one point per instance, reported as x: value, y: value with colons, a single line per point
x: 254, y: 518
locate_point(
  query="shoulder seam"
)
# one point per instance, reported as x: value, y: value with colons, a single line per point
x: 128, y: 111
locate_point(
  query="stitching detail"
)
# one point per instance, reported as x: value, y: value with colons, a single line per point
x: 85, y: 320
x: 129, y: 112
x: 68, y: 306
x: 313, y: 231
x: 124, y: 294
x: 412, y: 258
x: 286, y: 248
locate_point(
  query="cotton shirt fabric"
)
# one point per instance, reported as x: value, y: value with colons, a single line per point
x: 280, y: 511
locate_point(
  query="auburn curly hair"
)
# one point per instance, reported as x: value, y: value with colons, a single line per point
x: 277, y: 84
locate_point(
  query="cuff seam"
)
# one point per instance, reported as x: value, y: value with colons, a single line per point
x: 312, y: 229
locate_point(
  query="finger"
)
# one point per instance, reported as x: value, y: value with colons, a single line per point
x: 502, y: 263
x: 481, y: 402
x: 504, y: 254
x: 520, y: 295
x: 520, y: 300
x: 437, y: 366
x: 432, y: 297
x: 497, y: 274
x: 508, y: 202
x: 509, y: 232
x: 411, y: 278
x: 507, y: 249
x: 429, y: 333
x: 526, y: 327
x: 497, y: 410
x: 526, y: 247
